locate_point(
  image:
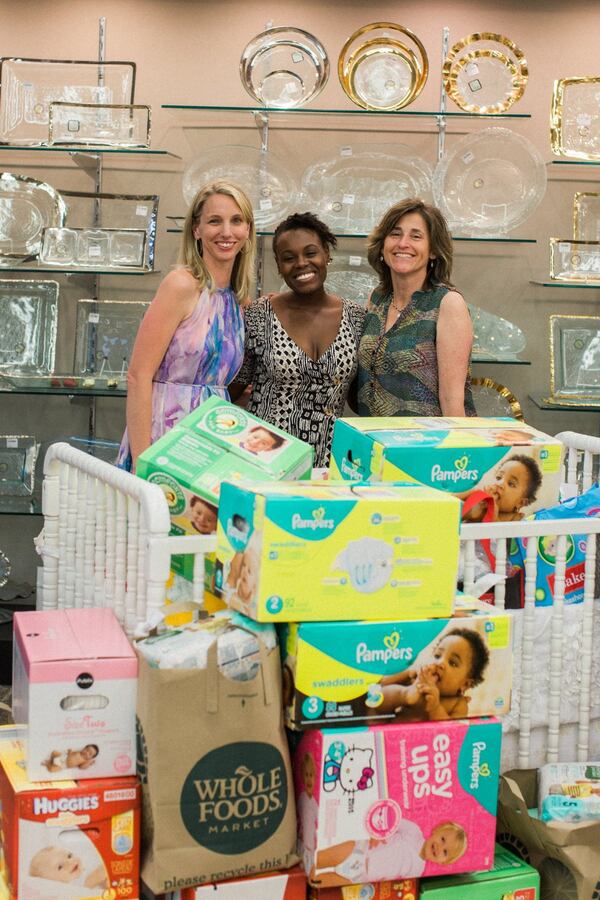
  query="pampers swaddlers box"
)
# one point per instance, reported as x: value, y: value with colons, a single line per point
x: 325, y: 551
x: 74, y: 686
x: 519, y: 466
x: 397, y: 801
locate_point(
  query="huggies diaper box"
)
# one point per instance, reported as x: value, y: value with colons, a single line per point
x: 406, y: 889
x: 402, y: 671
x: 509, y: 879
x: 519, y: 468
x: 74, y: 685
x: 67, y: 840
x: 305, y: 552
x: 397, y: 801
x: 287, y: 885
x: 218, y: 441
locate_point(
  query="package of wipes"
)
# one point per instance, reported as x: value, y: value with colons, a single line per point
x: 398, y: 670
x: 519, y: 468
x: 569, y: 792
x: 397, y: 801
x: 296, y: 551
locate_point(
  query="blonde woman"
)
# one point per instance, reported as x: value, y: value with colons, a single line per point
x: 190, y: 344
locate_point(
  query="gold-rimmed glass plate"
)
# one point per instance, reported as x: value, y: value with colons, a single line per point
x: 28, y: 313
x: 575, y: 357
x: 586, y: 216
x: 284, y: 67
x: 98, y: 125
x: 574, y: 261
x: 575, y: 118
x: 105, y: 335
x: 27, y: 206
x: 485, y: 73
x: 494, y: 400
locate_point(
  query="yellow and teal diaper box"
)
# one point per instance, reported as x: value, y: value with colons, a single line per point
x: 296, y: 551
x: 400, y: 671
x: 510, y: 877
x: 501, y: 468
x: 217, y: 441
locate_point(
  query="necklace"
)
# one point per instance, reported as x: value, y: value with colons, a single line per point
x: 398, y: 309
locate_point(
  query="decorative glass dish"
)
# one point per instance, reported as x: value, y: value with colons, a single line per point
x: 105, y: 334
x: 284, y: 67
x: 5, y: 568
x: 129, y: 214
x: 18, y: 453
x: 351, y: 276
x: 575, y: 357
x: 489, y: 183
x: 586, y: 216
x: 495, y: 400
x: 485, y: 73
x: 575, y: 118
x: 495, y: 337
x: 383, y: 72
x: 29, y: 86
x: 99, y: 125
x: 28, y: 313
x: 574, y: 260
x: 352, y: 190
x: 270, y: 188
x: 27, y: 206
x: 93, y: 247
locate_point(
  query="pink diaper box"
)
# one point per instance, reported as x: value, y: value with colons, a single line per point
x: 74, y: 687
x: 397, y: 801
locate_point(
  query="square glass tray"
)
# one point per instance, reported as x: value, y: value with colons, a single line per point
x: 105, y: 334
x: 27, y: 206
x: 575, y: 118
x: 99, y: 125
x: 575, y: 261
x: 93, y: 247
x: 29, y: 86
x: 28, y: 317
x: 575, y: 357
x: 586, y: 216
x: 18, y: 453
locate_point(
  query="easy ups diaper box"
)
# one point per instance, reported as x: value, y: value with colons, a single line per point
x: 323, y: 551
x: 397, y: 801
x: 509, y: 877
x: 401, y: 671
x: 67, y: 840
x: 74, y: 686
x: 218, y: 441
x: 518, y: 467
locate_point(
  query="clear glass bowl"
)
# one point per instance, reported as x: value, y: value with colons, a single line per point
x: 284, y: 67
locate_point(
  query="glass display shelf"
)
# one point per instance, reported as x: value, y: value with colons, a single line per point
x: 575, y: 162
x: 21, y: 506
x: 499, y: 361
x: 307, y: 110
x: 567, y: 284
x: 30, y: 265
x: 543, y: 401
x: 61, y: 391
x: 87, y: 151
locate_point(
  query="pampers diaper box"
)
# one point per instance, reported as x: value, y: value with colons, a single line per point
x: 218, y: 441
x: 403, y: 671
x: 509, y: 879
x: 74, y: 686
x: 519, y: 467
x: 70, y: 839
x: 397, y: 801
x: 304, y: 552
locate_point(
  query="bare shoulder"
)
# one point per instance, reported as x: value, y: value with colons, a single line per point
x: 454, y: 300
x: 180, y: 281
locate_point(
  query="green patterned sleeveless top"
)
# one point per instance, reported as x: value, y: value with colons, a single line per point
x: 397, y: 369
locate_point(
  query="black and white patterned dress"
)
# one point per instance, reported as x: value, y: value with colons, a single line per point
x: 289, y: 389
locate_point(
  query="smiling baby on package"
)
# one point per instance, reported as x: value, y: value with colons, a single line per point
x: 316, y: 551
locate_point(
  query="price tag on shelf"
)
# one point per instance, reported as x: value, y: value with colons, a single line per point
x: 94, y: 318
x: 266, y: 204
x: 345, y: 151
x: 141, y: 210
x: 94, y: 250
x: 348, y: 199
x: 355, y: 260
x: 12, y: 442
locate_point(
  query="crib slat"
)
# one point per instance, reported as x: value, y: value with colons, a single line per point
x: 585, y: 692
x: 556, y: 650
x: 527, y: 654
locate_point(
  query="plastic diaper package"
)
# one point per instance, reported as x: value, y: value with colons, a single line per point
x: 402, y: 671
x: 402, y: 564
x: 569, y: 792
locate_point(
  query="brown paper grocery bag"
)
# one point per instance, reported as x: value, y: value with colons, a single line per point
x: 218, y: 799
x: 551, y: 847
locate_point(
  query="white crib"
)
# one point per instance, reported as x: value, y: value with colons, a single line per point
x: 106, y: 543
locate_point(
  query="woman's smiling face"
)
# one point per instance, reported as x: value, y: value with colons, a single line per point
x: 302, y: 260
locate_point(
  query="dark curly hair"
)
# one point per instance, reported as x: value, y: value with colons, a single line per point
x: 533, y: 470
x: 309, y: 222
x: 479, y: 651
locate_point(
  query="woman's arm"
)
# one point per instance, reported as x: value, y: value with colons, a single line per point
x: 174, y: 301
x: 453, y: 346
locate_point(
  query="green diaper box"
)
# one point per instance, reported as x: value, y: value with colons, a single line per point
x: 509, y: 879
x: 218, y: 441
x: 516, y: 466
x: 397, y: 670
x: 297, y: 551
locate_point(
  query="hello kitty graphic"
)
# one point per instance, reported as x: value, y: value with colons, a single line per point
x: 350, y: 767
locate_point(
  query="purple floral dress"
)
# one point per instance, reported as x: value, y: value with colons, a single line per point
x: 202, y: 359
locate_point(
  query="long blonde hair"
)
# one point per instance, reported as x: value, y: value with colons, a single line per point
x: 190, y: 255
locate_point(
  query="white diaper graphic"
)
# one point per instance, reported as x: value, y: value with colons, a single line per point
x: 369, y: 563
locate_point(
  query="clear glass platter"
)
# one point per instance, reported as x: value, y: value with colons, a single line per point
x: 575, y: 357
x: 18, y: 453
x: 485, y: 73
x: 270, y: 187
x: 574, y: 260
x: 495, y: 400
x: 28, y: 317
x: 586, y: 216
x: 494, y: 336
x: 105, y: 334
x: 99, y: 125
x: 29, y: 86
x: 27, y: 206
x: 93, y: 247
x: 489, y: 183
x: 284, y: 67
x: 353, y: 190
x: 575, y: 118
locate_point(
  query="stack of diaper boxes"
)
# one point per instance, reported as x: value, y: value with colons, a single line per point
x: 363, y: 577
x: 74, y: 693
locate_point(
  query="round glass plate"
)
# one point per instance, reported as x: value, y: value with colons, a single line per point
x: 271, y: 189
x: 489, y: 183
x: 27, y: 206
x: 352, y: 191
x: 485, y: 73
x: 383, y: 72
x: 494, y: 336
x: 495, y: 400
x: 284, y: 67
